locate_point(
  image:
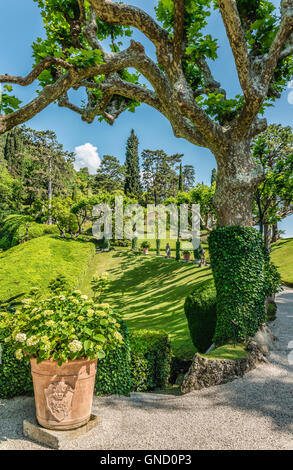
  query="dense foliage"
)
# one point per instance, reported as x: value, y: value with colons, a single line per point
x: 201, y: 312
x: 114, y: 370
x: 150, y: 360
x: 243, y: 280
x: 61, y: 327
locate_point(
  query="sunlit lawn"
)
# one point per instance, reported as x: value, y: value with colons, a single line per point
x: 282, y: 256
x: 150, y: 292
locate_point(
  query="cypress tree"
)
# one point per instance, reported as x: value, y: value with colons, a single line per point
x: 214, y: 176
x: 12, y: 149
x: 132, y: 179
x: 180, y: 181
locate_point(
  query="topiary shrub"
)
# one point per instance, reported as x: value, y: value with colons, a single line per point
x: 178, y: 250
x: 239, y: 263
x: 200, y: 310
x: 134, y: 244
x: 158, y: 246
x: 150, y: 360
x: 114, y: 372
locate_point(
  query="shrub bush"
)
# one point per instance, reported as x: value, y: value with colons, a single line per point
x: 150, y: 360
x: 200, y: 310
x: 15, y: 375
x: 113, y: 372
x: 243, y: 278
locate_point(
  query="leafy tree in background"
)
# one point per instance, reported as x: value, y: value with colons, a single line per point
x: 132, y: 183
x: 110, y: 175
x: 159, y: 175
x: 273, y: 199
x: 188, y: 177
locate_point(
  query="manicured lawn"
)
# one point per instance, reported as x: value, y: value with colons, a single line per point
x: 282, y: 256
x: 150, y: 292
x: 40, y: 260
x: 228, y: 351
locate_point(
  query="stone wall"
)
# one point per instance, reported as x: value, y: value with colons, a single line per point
x: 206, y: 372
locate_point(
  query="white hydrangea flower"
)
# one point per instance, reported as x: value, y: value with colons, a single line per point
x: 32, y: 341
x: 75, y: 346
x: 20, y: 337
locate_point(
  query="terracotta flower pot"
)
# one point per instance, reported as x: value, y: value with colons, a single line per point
x: 145, y: 251
x: 64, y: 395
x: 187, y: 256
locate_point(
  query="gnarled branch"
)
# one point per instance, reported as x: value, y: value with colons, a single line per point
x: 238, y: 45
x: 179, y: 11
x: 127, y: 15
x: 33, y: 75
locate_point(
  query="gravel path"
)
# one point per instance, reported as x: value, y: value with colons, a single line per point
x: 255, y: 412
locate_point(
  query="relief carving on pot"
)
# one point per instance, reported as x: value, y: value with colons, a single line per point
x: 59, y: 397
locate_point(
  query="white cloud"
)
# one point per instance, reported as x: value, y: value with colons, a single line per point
x: 87, y: 156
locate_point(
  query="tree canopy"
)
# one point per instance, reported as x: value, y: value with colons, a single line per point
x: 84, y: 48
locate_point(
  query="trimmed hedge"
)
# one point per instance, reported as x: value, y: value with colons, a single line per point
x: 150, y: 360
x: 15, y: 375
x: 141, y: 363
x: 113, y: 372
x: 243, y: 278
x: 200, y: 310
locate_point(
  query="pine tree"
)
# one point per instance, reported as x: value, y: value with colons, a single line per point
x: 132, y: 180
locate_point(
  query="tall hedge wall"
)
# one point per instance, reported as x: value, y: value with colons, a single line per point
x: 243, y: 276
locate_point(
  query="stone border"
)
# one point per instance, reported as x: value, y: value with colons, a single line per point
x: 206, y: 372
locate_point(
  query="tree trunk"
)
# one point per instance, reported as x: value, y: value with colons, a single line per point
x: 268, y: 236
x: 275, y: 233
x: 237, y: 180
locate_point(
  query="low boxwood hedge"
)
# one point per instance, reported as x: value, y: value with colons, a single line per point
x: 150, y: 360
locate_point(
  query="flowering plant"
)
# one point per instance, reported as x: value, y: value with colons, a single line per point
x: 61, y: 327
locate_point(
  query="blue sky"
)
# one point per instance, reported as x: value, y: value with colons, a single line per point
x: 21, y: 24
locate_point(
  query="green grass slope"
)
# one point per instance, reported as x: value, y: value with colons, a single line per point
x: 282, y: 256
x: 150, y: 292
x: 40, y: 260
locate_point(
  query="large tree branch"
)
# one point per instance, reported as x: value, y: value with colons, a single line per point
x: 33, y: 75
x: 179, y: 11
x: 238, y: 44
x: 127, y: 15
x: 278, y: 48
